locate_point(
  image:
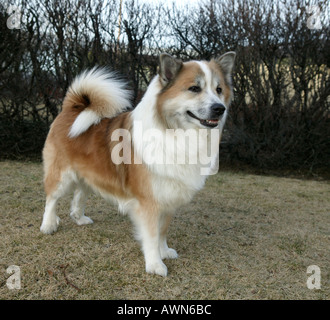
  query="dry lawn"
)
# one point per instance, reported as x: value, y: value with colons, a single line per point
x: 243, y: 237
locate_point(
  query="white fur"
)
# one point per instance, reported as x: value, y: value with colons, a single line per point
x: 50, y: 220
x: 102, y: 86
x: 69, y: 182
x: 85, y: 119
x: 150, y: 246
x: 78, y: 206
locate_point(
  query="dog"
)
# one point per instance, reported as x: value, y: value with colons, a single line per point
x: 99, y: 143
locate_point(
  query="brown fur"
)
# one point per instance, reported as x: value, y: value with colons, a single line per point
x: 89, y: 155
x: 225, y: 86
x: 185, y: 79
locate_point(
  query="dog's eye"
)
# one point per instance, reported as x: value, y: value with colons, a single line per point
x: 219, y: 90
x: 195, y: 89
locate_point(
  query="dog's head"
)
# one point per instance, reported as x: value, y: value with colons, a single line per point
x: 195, y: 94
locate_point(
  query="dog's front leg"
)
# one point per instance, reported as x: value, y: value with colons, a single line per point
x: 165, y: 251
x: 147, y: 227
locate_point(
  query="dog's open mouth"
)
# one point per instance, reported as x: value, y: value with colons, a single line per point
x: 211, y: 123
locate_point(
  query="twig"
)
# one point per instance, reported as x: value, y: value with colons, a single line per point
x: 4, y: 281
x: 63, y: 267
x: 232, y: 267
x: 228, y: 229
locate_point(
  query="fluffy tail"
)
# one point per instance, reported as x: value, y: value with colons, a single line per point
x: 98, y: 94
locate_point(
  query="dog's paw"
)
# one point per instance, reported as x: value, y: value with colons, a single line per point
x: 83, y: 220
x: 157, y: 268
x: 50, y: 227
x: 168, y: 254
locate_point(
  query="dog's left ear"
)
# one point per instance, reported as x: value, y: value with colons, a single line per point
x: 169, y: 67
x: 226, y: 62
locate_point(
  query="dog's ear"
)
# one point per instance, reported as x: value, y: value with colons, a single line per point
x: 169, y: 67
x: 226, y: 62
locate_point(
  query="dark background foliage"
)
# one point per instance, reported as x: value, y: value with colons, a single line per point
x: 280, y: 113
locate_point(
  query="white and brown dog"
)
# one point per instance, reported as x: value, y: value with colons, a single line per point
x: 129, y: 156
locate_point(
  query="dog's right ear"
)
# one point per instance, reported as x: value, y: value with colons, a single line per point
x: 169, y: 67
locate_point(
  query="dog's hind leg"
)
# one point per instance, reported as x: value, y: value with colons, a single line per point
x: 78, y: 206
x: 50, y: 220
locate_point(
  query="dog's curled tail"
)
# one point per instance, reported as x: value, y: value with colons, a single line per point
x: 96, y: 94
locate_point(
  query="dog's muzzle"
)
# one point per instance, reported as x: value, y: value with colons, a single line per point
x: 216, y: 111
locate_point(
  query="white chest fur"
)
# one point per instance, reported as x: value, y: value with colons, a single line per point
x: 178, y: 187
x: 175, y: 176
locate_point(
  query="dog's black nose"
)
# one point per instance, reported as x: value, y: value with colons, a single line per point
x: 218, y: 109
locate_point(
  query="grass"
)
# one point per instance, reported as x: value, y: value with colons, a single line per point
x: 244, y: 236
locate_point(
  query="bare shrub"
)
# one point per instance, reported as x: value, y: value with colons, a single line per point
x: 280, y: 114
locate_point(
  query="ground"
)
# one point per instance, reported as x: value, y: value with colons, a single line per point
x: 244, y: 236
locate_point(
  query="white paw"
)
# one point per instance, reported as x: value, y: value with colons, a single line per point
x: 168, y: 254
x: 157, y: 268
x: 50, y: 227
x: 83, y: 220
